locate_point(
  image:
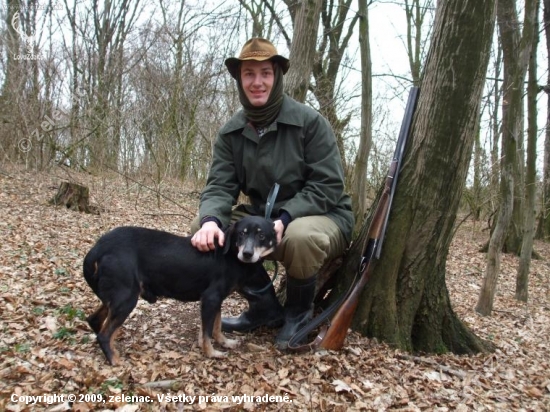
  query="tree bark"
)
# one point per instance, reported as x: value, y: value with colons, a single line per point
x: 522, y: 277
x: 303, y: 48
x: 358, y: 186
x: 516, y: 50
x: 330, y: 53
x: 406, y: 303
x: 543, y: 230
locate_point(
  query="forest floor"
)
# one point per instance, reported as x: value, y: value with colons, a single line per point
x: 48, y: 350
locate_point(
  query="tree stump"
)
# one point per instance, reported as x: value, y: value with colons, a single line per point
x: 74, y: 197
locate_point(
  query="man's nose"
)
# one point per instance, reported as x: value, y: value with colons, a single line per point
x: 257, y: 80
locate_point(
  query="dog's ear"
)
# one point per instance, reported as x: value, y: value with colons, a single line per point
x: 229, y: 232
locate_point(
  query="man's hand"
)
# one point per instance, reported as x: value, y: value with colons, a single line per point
x: 205, y: 238
x: 279, y: 230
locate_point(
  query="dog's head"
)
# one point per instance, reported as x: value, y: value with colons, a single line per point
x: 252, y: 237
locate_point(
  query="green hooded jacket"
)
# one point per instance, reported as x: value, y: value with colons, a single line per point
x: 298, y: 151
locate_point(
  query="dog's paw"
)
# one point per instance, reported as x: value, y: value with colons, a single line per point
x: 216, y: 354
x: 230, y: 343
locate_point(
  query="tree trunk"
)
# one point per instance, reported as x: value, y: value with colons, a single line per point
x: 543, y: 230
x: 113, y: 21
x: 330, y: 54
x: 495, y: 123
x: 406, y: 303
x: 358, y: 186
x: 522, y: 277
x: 516, y: 51
x: 12, y: 45
x: 303, y: 49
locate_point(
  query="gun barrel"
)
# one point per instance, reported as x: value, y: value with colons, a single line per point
x: 397, y: 158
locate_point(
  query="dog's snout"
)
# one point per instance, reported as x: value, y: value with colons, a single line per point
x: 247, y: 252
x: 248, y: 249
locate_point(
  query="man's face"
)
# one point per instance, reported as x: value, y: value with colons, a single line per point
x: 257, y: 79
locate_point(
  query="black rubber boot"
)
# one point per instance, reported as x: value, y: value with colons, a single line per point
x: 298, y: 308
x: 264, y: 308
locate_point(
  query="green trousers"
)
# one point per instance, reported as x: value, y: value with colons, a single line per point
x: 308, y: 243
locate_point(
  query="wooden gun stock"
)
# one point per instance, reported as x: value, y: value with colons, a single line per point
x: 333, y: 336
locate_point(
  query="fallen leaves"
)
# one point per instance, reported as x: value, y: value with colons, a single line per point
x: 46, y: 346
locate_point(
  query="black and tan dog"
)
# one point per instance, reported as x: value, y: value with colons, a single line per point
x: 129, y: 262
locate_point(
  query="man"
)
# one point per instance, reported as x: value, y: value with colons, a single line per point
x: 275, y: 139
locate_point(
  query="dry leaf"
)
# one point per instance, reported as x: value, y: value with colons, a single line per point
x: 341, y: 386
x: 46, y: 345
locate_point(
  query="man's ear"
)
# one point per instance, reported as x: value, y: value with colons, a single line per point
x: 229, y: 234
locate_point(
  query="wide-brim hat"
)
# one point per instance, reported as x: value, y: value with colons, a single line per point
x: 256, y: 49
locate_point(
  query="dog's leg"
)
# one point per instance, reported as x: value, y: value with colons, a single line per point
x: 210, y: 306
x: 97, y: 319
x: 205, y: 342
x: 117, y: 314
x: 106, y: 337
x: 220, y: 337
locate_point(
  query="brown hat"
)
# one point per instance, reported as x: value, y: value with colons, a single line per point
x: 256, y: 49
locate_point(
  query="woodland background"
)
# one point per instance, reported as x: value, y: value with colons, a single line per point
x: 127, y: 97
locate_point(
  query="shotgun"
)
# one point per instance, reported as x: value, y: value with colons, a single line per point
x: 333, y: 336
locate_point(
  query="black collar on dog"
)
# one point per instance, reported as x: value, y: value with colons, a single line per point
x: 262, y: 290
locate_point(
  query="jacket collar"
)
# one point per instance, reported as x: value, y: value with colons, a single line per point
x: 290, y: 114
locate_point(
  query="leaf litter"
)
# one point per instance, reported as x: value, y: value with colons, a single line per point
x: 47, y: 348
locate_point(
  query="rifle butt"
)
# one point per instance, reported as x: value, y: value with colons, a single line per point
x: 336, y: 333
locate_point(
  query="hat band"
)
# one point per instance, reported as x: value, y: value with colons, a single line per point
x: 258, y: 53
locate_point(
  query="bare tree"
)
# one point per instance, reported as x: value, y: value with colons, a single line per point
x: 337, y: 30
x: 482, y: 195
x: 543, y: 230
x: 416, y: 12
x: 516, y: 49
x: 358, y: 185
x: 259, y: 11
x: 12, y: 45
x: 302, y: 49
x: 23, y: 100
x: 112, y: 23
x: 522, y: 277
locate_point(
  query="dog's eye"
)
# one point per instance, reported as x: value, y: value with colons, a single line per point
x: 261, y: 236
